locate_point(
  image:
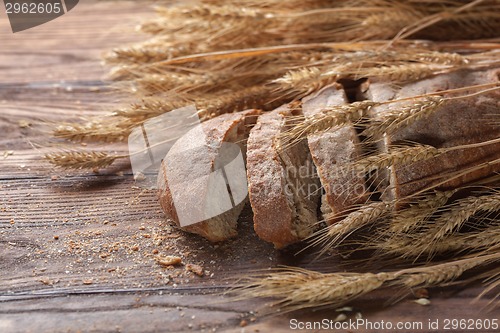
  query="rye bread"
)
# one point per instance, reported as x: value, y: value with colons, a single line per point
x: 456, y: 122
x: 189, y: 163
x: 332, y: 152
x: 284, y: 189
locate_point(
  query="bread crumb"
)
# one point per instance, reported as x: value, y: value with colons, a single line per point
x: 344, y: 309
x: 8, y: 153
x: 243, y: 323
x: 423, y: 301
x: 196, y: 269
x: 422, y: 293
x: 139, y: 177
x: 168, y: 260
x: 24, y: 124
x: 340, y: 317
x: 46, y: 281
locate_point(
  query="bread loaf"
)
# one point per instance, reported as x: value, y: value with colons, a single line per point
x: 455, y: 122
x: 185, y: 182
x: 283, y: 186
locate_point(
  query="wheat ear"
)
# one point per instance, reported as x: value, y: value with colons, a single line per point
x: 96, y: 130
x: 437, y: 235
x: 82, y: 160
x: 333, y: 234
x: 396, y: 155
x: 410, y: 246
x: 403, y: 117
x: 418, y: 213
x: 295, y: 289
x: 460, y: 212
x: 327, y: 119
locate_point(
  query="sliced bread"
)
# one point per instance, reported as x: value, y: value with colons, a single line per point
x: 284, y: 189
x: 333, y: 152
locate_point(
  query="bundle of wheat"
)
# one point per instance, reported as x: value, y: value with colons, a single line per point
x: 415, y: 121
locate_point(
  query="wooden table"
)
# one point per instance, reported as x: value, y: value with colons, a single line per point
x: 77, y: 249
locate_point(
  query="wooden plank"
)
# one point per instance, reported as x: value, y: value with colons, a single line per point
x: 77, y: 251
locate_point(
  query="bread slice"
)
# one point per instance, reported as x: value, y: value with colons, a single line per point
x: 284, y: 189
x: 332, y: 152
x: 195, y: 188
x: 454, y: 123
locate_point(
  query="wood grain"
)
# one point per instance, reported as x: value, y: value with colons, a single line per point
x: 77, y: 250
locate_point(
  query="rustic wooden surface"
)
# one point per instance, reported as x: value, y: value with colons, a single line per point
x: 77, y: 249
